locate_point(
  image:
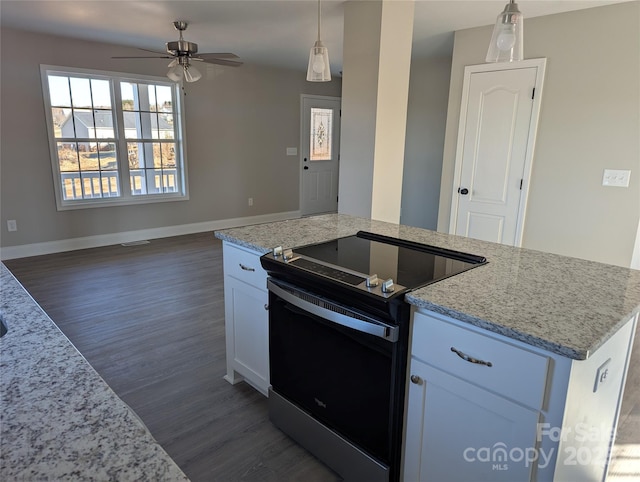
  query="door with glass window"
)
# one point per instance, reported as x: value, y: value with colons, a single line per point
x: 319, y: 154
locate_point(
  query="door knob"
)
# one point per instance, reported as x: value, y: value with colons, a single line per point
x: 464, y: 191
x: 416, y: 379
x: 306, y: 167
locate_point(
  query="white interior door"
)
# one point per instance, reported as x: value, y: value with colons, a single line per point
x: 319, y: 156
x: 498, y: 123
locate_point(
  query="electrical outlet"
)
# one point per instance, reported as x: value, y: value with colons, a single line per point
x: 250, y: 201
x: 12, y: 225
x: 616, y: 178
x: 601, y: 375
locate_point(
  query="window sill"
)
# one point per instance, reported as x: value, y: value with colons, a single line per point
x: 104, y: 203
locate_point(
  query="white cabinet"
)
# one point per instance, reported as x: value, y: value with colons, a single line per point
x: 471, y: 400
x: 459, y: 432
x: 246, y: 317
x: 481, y: 406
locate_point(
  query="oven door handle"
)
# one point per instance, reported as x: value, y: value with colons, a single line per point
x: 371, y: 326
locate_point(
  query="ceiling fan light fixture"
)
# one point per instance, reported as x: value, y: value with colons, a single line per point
x: 507, y: 43
x: 319, y: 69
x: 181, y: 69
x: 176, y: 72
x: 191, y: 74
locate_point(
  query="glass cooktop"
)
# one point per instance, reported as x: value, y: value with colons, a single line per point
x: 351, y: 259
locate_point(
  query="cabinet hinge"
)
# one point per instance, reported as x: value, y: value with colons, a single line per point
x: 533, y: 94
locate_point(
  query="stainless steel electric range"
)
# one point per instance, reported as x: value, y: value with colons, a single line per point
x: 338, y: 345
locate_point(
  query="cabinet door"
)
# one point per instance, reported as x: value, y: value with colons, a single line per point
x: 247, y: 332
x: 457, y: 431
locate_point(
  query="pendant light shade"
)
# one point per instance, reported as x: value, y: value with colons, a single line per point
x: 507, y: 39
x: 319, y: 69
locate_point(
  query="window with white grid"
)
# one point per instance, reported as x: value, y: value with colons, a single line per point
x: 114, y: 138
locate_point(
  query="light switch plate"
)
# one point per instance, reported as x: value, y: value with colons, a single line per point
x: 616, y: 178
x: 292, y: 151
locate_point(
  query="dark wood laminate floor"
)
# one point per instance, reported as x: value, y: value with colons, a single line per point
x: 150, y: 320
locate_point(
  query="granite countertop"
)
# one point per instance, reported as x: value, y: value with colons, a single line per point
x: 59, y: 419
x: 565, y: 305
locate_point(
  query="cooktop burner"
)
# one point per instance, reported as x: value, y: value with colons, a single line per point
x: 377, y: 264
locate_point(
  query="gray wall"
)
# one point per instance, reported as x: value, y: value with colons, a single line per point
x: 426, y: 119
x: 239, y: 123
x: 589, y: 121
x: 377, y: 62
x: 358, y: 124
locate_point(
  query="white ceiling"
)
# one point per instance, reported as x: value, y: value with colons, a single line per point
x: 267, y: 32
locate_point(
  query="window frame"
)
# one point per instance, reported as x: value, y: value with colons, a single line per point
x: 121, y: 141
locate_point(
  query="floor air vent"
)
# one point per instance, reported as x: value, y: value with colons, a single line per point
x: 135, y: 243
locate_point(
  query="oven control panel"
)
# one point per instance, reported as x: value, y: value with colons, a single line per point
x: 364, y: 281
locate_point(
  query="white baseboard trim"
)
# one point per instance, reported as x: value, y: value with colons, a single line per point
x: 49, y: 247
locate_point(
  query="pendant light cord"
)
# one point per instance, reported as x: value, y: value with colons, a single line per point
x: 318, y: 19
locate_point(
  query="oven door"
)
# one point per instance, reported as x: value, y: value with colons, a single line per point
x: 335, y: 364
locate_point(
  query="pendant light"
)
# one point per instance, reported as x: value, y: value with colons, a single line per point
x: 506, y: 42
x: 319, y: 69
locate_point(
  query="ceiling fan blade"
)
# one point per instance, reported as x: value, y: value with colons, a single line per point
x: 230, y: 63
x: 159, y: 52
x: 225, y: 55
x: 182, y: 51
x: 145, y: 57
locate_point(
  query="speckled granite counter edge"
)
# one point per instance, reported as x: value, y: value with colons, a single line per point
x: 556, y: 348
x: 239, y: 242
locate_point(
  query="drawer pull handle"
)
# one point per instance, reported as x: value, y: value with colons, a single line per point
x: 246, y: 268
x: 470, y: 359
x: 416, y: 379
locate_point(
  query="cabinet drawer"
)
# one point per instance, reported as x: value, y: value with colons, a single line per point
x: 513, y: 372
x: 244, y: 265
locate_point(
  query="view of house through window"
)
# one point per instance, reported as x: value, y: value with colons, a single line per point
x: 114, y: 139
x: 148, y: 128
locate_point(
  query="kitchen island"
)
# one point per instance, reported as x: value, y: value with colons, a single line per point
x: 557, y: 332
x: 59, y: 419
x: 566, y: 305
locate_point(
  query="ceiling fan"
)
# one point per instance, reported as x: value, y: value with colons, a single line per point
x: 182, y: 52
